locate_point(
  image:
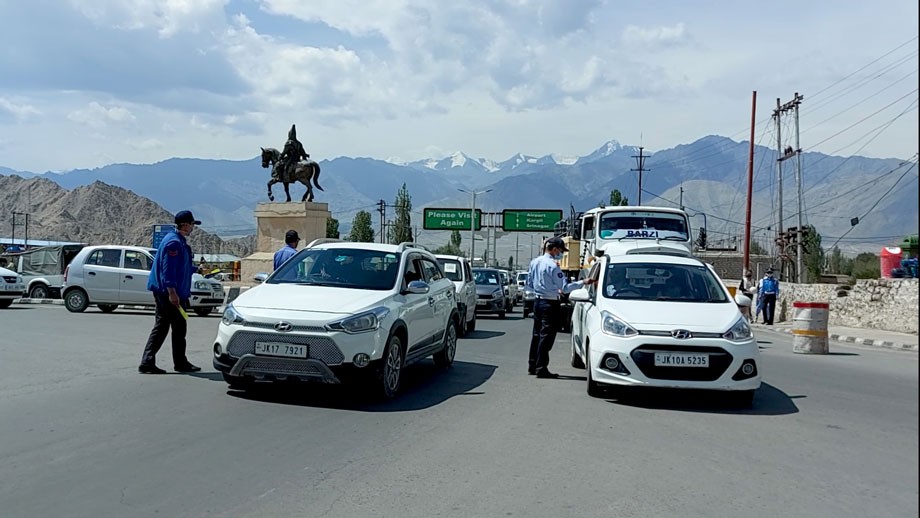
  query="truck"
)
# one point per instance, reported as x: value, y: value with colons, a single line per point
x: 618, y: 230
x: 42, y: 268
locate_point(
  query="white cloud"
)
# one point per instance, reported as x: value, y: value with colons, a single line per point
x: 660, y: 36
x: 167, y: 17
x: 18, y: 110
x: 98, y: 116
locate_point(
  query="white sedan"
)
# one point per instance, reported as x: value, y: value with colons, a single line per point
x: 663, y: 321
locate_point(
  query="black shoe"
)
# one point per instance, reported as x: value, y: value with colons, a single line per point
x: 546, y: 374
x: 150, y: 369
x: 188, y: 368
x: 531, y: 372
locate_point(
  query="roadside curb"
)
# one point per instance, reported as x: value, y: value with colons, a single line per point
x: 38, y: 301
x: 855, y: 340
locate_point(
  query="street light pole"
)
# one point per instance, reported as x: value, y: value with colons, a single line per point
x: 473, y: 221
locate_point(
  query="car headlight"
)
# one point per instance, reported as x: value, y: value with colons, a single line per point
x: 231, y: 316
x: 497, y: 294
x: 616, y: 327
x: 530, y: 294
x: 202, y: 285
x: 739, y: 332
x: 360, y: 323
x: 19, y: 280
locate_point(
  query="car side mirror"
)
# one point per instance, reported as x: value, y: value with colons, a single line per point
x: 417, y: 287
x: 580, y: 295
x: 260, y: 277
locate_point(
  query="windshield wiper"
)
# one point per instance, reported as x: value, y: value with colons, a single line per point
x: 674, y: 238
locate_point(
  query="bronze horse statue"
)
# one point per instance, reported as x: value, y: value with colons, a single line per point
x: 304, y: 171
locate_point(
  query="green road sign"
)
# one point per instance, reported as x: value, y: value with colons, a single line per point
x: 450, y: 219
x: 514, y: 220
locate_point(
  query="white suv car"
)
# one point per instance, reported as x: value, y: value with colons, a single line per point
x: 338, y: 311
x: 11, y: 287
x: 112, y: 275
x: 457, y: 269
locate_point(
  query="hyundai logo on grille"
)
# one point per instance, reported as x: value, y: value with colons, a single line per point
x: 681, y: 334
x: 283, y: 326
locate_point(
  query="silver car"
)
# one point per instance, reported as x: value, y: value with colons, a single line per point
x: 110, y: 276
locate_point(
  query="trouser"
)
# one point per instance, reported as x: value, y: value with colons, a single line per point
x: 769, y: 307
x: 167, y: 316
x: 545, y: 319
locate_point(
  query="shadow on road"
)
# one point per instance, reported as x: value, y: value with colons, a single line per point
x: 768, y: 400
x: 423, y: 386
x: 479, y: 334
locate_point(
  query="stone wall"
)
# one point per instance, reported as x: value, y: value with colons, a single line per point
x: 887, y: 304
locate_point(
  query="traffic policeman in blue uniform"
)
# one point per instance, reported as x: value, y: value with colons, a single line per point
x: 170, y: 281
x: 548, y: 283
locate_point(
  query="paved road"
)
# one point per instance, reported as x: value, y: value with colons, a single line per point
x: 82, y: 434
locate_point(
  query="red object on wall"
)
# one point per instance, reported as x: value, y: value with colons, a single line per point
x: 890, y: 259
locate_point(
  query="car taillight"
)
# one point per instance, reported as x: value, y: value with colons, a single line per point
x: 66, y: 271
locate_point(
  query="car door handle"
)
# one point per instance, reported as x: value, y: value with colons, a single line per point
x: 129, y: 276
x: 90, y: 273
x: 431, y: 301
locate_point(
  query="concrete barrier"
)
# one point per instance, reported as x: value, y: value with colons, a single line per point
x: 809, y: 327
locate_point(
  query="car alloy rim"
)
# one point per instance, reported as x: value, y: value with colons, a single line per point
x: 391, y: 375
x: 451, y: 342
x: 76, y: 300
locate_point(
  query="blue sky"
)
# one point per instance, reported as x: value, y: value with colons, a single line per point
x: 85, y: 84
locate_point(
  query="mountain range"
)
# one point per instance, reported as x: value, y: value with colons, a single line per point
x: 708, y: 177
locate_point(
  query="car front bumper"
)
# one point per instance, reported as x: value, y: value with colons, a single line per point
x: 636, y: 356
x: 490, y: 306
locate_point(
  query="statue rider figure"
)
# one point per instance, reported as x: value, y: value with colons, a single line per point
x: 292, y: 153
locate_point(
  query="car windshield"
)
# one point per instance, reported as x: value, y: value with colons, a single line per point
x: 616, y: 223
x: 486, y: 277
x: 339, y: 267
x: 662, y: 282
x: 451, y: 269
x: 522, y: 277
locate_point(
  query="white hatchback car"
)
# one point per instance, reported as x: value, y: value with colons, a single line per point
x: 663, y: 321
x: 458, y: 270
x: 11, y: 287
x: 338, y: 311
x: 113, y: 275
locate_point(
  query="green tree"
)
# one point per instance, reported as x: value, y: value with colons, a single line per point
x: 455, y: 238
x: 401, y: 229
x: 867, y: 266
x: 332, y: 228
x: 813, y: 262
x: 839, y: 263
x: 511, y: 262
x: 448, y: 249
x: 361, y: 230
x: 617, y: 199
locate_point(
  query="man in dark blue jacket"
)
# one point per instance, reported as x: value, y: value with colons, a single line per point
x: 170, y: 281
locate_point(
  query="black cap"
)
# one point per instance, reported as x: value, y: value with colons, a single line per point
x: 555, y: 242
x: 291, y: 236
x: 185, y: 216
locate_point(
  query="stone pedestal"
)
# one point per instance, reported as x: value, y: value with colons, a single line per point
x: 273, y: 220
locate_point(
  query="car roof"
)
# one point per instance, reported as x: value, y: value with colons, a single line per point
x: 454, y: 257
x: 90, y: 248
x: 377, y: 247
x: 655, y: 259
x: 486, y: 269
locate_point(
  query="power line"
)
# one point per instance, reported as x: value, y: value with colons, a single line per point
x: 867, y: 65
x: 915, y: 90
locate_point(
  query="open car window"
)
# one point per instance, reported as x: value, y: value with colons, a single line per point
x: 662, y: 282
x: 339, y: 267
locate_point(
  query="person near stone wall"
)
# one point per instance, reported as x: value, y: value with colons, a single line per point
x: 768, y: 291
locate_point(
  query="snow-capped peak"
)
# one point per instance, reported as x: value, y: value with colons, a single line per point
x: 457, y: 159
x: 563, y: 159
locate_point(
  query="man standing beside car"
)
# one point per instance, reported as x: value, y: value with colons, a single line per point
x: 291, y: 239
x: 548, y: 282
x: 170, y: 281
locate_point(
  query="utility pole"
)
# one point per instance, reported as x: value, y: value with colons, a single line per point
x: 681, y: 195
x: 382, y: 209
x: 785, y: 154
x: 473, y: 222
x: 779, y: 179
x: 750, y: 184
x: 640, y: 164
x: 25, y: 242
x: 517, y: 247
x: 800, y: 249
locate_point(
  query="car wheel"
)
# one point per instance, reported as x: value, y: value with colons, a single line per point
x: 390, y: 374
x: 6, y: 303
x: 463, y: 329
x: 471, y: 326
x: 501, y: 314
x: 203, y: 312
x: 76, y: 301
x: 742, y: 399
x: 594, y: 388
x: 576, y: 360
x: 107, y: 308
x: 445, y: 357
x: 39, y: 291
x: 237, y: 382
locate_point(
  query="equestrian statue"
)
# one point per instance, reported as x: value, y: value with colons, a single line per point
x: 291, y: 165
